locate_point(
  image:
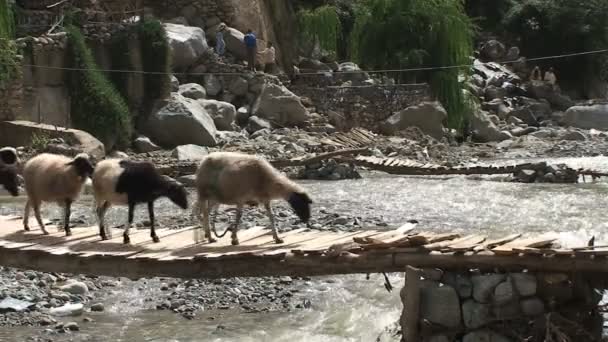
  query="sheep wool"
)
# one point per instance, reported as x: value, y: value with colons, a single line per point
x: 123, y: 182
x: 54, y: 178
x: 239, y: 179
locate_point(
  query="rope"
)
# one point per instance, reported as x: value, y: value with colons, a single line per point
x: 312, y: 73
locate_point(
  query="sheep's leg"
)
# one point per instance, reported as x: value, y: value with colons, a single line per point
x: 206, y: 209
x: 275, y: 235
x: 196, y: 212
x: 125, y: 235
x: 101, y: 214
x: 66, y: 218
x: 36, y: 205
x: 26, y: 216
x: 235, y: 227
x: 152, y: 228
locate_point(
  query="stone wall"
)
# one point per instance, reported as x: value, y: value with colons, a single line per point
x: 468, y: 306
x: 362, y: 106
x: 201, y: 13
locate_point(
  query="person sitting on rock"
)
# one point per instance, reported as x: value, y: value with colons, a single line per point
x: 251, y: 46
x: 269, y: 58
x: 220, y: 45
x: 536, y: 74
x: 550, y: 77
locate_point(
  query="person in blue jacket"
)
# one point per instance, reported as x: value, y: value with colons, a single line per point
x: 251, y: 46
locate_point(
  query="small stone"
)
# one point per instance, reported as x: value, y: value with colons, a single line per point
x: 164, y: 287
x: 87, y: 319
x: 285, y: 280
x: 484, y: 285
x: 75, y: 287
x: 68, y: 310
x: 46, y: 321
x: 532, y: 307
x: 476, y: 315
x: 97, y: 307
x: 71, y: 326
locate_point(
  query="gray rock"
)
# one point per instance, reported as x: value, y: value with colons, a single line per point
x: 495, y: 119
x: 440, y: 305
x: 484, y: 285
x: 213, y: 85
x: 255, y: 124
x: 71, y: 326
x: 10, y: 304
x: 460, y: 282
x: 428, y: 116
x: 525, y: 283
x: 478, y: 81
x: 178, y: 21
x: 174, y: 84
x: 242, y: 115
x: 350, y: 72
x: 476, y: 315
x: 493, y: 92
x: 519, y: 131
x: 438, y: 338
x: 485, y: 130
x: 75, y: 287
x: 573, y: 135
x: 545, y: 91
x: 503, y: 293
x: 190, y: 152
x: 239, y: 86
x: 512, y: 54
x: 192, y: 91
x: 587, y: 117
x: 184, y: 116
x: 540, y: 108
x: 280, y: 106
x: 118, y: 155
x: 68, y: 310
x: 235, y: 43
x: 187, y: 44
x: 493, y: 50
x: 532, y: 307
x: 525, y: 115
x: 507, y: 311
x: 526, y: 176
x: 144, y: 145
x: 188, y: 180
x: 514, y: 120
x: 484, y: 336
x: 223, y: 113
x: 97, y: 307
x: 544, y: 133
x: 312, y: 65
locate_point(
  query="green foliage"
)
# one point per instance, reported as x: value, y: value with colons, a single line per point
x: 157, y: 58
x: 397, y: 34
x: 97, y: 107
x: 121, y: 60
x: 320, y: 25
x: 548, y: 27
x: 488, y: 15
x: 9, y: 63
x: 40, y: 141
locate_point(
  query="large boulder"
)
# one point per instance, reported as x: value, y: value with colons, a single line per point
x: 349, y: 71
x: 493, y: 50
x: 213, y: 85
x: 235, y: 43
x: 144, y: 145
x: 545, y: 91
x: 21, y: 133
x: 280, y: 106
x: 192, y: 91
x: 428, y: 116
x: 181, y: 121
x: 187, y: 44
x: 223, y: 113
x: 587, y: 117
x: 484, y: 130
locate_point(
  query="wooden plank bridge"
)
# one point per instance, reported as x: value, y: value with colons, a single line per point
x: 305, y: 253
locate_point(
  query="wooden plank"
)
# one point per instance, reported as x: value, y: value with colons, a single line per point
x: 466, y: 245
x: 443, y: 244
x: 497, y: 242
x: 531, y: 242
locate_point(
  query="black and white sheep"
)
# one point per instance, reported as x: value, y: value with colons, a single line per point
x: 9, y: 178
x: 240, y: 179
x: 124, y: 182
x: 54, y: 178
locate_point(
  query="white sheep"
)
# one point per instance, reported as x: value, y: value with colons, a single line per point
x: 54, y: 178
x: 240, y: 179
x: 124, y: 182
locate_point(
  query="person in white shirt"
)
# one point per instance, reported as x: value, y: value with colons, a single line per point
x: 269, y: 59
x: 550, y: 77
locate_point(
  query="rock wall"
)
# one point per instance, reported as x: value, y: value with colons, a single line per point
x: 364, y: 106
x: 467, y: 306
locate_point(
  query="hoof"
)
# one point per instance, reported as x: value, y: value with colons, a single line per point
x: 45, y: 232
x: 126, y: 240
x: 278, y: 240
x: 104, y: 238
x: 27, y: 229
x: 212, y: 240
x: 68, y: 233
x: 155, y: 239
x: 235, y: 242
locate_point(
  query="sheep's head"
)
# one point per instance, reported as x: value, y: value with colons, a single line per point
x: 83, y: 165
x: 300, y: 203
x: 10, y: 180
x: 8, y: 156
x: 177, y: 193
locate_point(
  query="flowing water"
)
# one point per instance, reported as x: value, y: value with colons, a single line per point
x: 351, y: 308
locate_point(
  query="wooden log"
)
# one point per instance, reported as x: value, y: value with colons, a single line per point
x: 317, y: 158
x: 410, y: 296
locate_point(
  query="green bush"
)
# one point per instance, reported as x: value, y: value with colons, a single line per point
x: 10, y: 66
x: 398, y: 34
x: 121, y: 60
x: 320, y: 25
x: 156, y: 59
x: 97, y: 107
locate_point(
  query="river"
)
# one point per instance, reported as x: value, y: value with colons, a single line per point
x: 353, y: 308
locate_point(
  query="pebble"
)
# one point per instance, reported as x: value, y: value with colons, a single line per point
x: 71, y: 326
x: 97, y: 307
x: 75, y: 288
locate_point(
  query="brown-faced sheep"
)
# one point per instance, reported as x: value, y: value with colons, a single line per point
x: 240, y: 179
x: 123, y: 182
x: 54, y: 178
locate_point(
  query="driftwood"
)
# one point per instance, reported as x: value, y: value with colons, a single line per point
x: 317, y: 158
